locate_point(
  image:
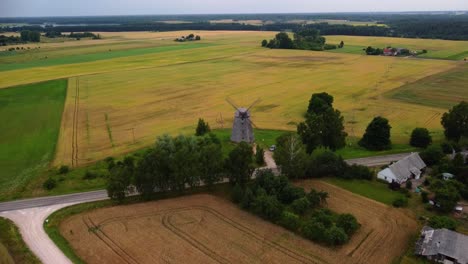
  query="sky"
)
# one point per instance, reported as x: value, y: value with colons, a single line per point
x: 31, y: 8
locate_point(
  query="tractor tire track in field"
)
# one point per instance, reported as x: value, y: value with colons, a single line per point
x: 108, y: 241
x: 187, y: 238
x: 168, y: 214
x: 75, y: 124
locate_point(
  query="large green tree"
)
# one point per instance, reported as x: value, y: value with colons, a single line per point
x: 290, y: 155
x: 455, y: 122
x: 377, y: 135
x: 420, y: 138
x: 120, y: 178
x: 319, y: 103
x: 239, y: 164
x: 323, y: 129
x: 211, y: 160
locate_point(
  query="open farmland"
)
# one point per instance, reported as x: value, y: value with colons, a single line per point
x: 30, y: 117
x: 437, y: 49
x: 207, y: 229
x: 440, y: 90
x: 117, y: 103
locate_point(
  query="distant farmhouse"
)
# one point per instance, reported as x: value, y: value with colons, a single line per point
x: 443, y: 245
x: 389, y: 51
x: 402, y: 170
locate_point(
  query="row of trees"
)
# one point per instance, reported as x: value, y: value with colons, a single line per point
x: 305, y: 39
x: 275, y: 199
x: 172, y: 164
x: 30, y: 36
x: 10, y: 40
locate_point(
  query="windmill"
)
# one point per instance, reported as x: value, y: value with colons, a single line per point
x: 242, y: 127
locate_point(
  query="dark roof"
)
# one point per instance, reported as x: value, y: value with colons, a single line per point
x: 444, y: 242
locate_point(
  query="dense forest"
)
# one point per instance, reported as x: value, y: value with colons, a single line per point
x: 441, y: 25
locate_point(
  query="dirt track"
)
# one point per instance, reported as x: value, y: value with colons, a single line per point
x: 206, y: 229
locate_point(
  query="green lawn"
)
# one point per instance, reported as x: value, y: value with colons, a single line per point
x: 12, y: 247
x: 352, y: 150
x: 265, y: 138
x: 31, y: 116
x: 351, y: 49
x: 371, y: 189
x: 71, y: 59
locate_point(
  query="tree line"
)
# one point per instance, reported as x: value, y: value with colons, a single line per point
x: 440, y: 26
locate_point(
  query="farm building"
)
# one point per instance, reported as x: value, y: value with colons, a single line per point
x: 404, y: 169
x: 442, y: 245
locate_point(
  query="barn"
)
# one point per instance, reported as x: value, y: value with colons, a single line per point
x: 443, y: 246
x: 404, y: 169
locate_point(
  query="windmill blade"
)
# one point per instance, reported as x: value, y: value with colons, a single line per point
x: 254, y: 103
x: 229, y: 100
x: 253, y: 124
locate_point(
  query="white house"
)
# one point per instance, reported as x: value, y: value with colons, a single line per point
x: 403, y: 169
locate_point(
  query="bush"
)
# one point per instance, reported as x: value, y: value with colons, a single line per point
x: 237, y: 194
x: 358, y: 172
x: 290, y: 193
x: 264, y: 43
x: 325, y: 162
x: 290, y: 221
x: 89, y: 175
x: 63, y: 169
x: 336, y: 236
x: 348, y: 223
x: 424, y: 197
x: 268, y: 207
x: 314, y: 231
x: 247, y: 199
x: 49, y: 184
x: 300, y: 206
x: 443, y: 222
x: 432, y: 155
x: 400, y: 202
x: 420, y: 138
x: 329, y: 46
x: 316, y: 197
x: 324, y: 216
x: 259, y: 156
x: 446, y: 147
x: 406, y: 192
x: 409, y: 184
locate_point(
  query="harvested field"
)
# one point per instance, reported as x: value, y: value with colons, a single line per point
x: 207, y: 229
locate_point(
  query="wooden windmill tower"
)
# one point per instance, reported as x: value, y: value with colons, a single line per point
x: 242, y: 127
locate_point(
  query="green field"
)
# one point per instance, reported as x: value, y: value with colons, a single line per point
x: 12, y: 247
x: 31, y: 117
x: 441, y: 90
x: 99, y: 55
x: 371, y: 189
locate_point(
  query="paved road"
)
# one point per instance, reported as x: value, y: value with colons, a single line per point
x: 30, y: 214
x: 53, y: 200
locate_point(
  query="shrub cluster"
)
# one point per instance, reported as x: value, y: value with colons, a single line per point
x: 277, y: 200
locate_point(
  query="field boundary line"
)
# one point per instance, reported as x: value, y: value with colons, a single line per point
x: 75, y: 124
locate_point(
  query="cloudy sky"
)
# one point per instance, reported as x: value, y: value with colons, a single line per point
x: 12, y: 8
